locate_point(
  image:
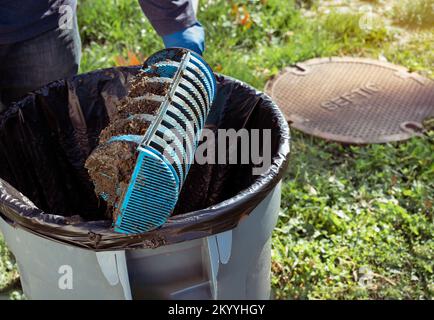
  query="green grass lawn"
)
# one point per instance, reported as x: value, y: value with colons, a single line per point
x: 356, y: 222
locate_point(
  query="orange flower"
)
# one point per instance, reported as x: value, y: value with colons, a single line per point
x: 246, y: 20
x: 246, y: 16
x: 133, y: 59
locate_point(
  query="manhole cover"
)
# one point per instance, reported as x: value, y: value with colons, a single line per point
x: 353, y: 100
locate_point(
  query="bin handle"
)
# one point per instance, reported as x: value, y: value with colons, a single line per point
x: 224, y: 243
x: 219, y: 249
x: 113, y: 265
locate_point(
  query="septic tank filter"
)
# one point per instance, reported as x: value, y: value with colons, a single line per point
x: 167, y: 149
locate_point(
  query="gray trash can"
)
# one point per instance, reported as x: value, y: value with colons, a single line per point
x: 216, y: 246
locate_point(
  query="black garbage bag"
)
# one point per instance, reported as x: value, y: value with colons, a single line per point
x: 46, y: 138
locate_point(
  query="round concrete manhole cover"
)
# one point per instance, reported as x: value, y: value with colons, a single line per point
x: 353, y: 100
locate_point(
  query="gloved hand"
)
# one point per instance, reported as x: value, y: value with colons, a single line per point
x: 192, y: 38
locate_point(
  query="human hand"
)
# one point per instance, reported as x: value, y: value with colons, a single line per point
x: 192, y: 38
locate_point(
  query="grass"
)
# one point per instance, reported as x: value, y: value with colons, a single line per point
x: 356, y: 222
x: 8, y: 271
x: 414, y: 13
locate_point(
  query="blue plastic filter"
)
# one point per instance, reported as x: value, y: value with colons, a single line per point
x: 167, y: 149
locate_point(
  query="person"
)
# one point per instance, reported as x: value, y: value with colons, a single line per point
x: 40, y: 43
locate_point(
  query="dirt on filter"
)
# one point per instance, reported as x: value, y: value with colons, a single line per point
x: 110, y: 167
x: 140, y: 85
x: 112, y: 163
x: 132, y: 125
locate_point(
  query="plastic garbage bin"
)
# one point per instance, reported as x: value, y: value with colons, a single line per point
x: 217, y: 245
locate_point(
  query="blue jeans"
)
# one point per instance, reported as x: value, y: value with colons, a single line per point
x: 31, y: 64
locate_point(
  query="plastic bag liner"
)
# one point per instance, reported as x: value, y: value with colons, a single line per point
x: 46, y: 137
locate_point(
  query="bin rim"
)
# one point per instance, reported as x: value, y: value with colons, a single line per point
x: 97, y: 236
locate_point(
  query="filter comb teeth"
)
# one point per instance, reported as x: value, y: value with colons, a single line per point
x: 168, y: 147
